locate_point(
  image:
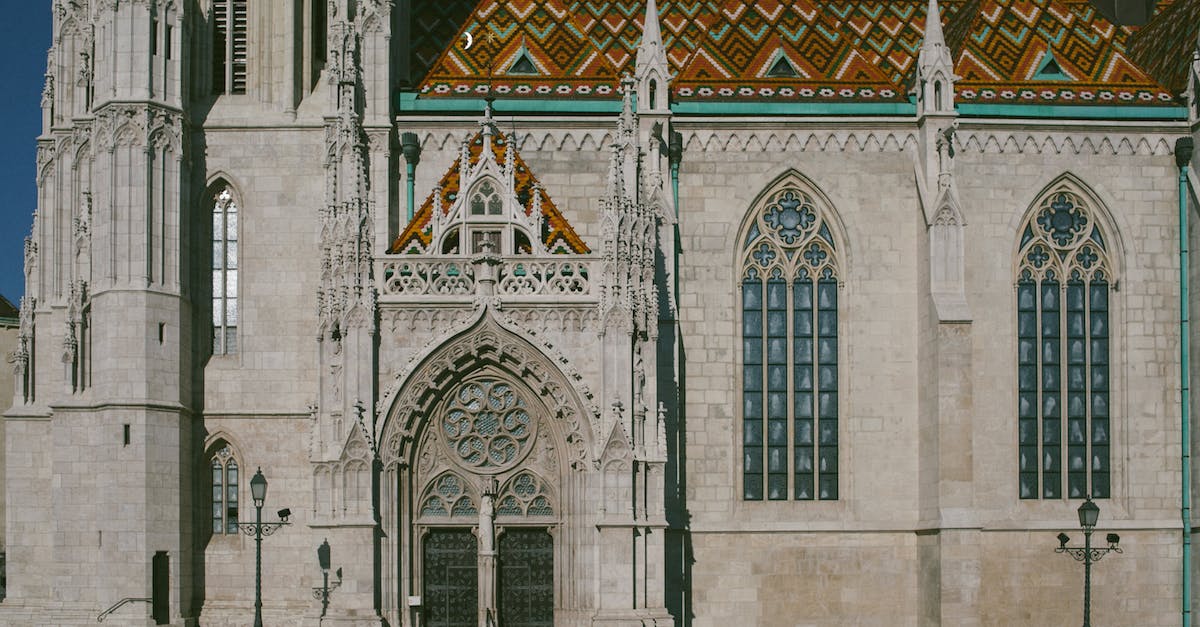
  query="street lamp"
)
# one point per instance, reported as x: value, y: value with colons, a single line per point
x: 322, y: 593
x: 258, y: 529
x: 1089, y: 513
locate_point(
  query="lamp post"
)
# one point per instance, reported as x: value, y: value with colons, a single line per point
x: 322, y: 593
x: 258, y: 529
x: 1089, y: 513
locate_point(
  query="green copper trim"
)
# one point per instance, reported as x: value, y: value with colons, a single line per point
x: 410, y: 103
x: 1077, y: 112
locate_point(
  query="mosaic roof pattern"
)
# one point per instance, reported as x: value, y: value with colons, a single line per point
x: 837, y: 50
x: 1161, y: 46
x: 1007, y: 51
x: 1008, y: 41
x: 557, y: 233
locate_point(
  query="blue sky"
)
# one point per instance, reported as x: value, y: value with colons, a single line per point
x: 24, y: 39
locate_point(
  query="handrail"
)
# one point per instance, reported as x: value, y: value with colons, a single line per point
x: 100, y: 618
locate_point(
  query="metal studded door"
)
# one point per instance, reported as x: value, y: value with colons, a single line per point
x: 526, y: 578
x: 451, y: 579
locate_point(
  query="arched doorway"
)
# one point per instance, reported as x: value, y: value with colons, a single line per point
x: 487, y: 510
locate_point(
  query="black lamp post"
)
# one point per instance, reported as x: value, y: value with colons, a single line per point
x: 1089, y: 513
x: 322, y: 593
x: 258, y: 529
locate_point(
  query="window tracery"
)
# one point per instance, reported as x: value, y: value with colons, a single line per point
x: 224, y: 272
x: 448, y: 497
x: 1064, y: 277
x: 487, y: 426
x: 790, y: 353
x: 224, y: 469
x: 525, y: 494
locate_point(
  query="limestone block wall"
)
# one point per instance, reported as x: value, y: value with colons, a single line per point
x: 279, y: 176
x: 1137, y: 192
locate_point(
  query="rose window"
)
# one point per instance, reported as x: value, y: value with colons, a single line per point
x: 487, y: 426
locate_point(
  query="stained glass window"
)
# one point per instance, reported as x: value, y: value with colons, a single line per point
x: 224, y: 273
x: 1063, y: 281
x: 789, y: 353
x: 224, y: 492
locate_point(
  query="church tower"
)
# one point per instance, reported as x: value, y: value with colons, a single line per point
x: 104, y: 366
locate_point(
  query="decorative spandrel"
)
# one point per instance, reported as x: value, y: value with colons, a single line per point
x: 487, y: 426
x: 1062, y: 302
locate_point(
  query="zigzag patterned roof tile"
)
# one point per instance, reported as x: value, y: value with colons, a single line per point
x: 1008, y: 40
x: 1161, y: 46
x: 557, y: 233
x: 847, y: 50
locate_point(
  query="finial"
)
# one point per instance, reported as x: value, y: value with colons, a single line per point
x: 933, y: 26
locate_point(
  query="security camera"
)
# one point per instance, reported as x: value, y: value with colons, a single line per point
x: 1113, y: 538
x: 284, y: 513
x: 1062, y: 540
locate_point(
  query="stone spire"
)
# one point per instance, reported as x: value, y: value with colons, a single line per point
x: 935, y: 67
x: 650, y: 68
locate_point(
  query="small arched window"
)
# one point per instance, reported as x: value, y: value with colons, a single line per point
x: 789, y: 352
x: 486, y: 200
x: 1064, y: 278
x: 224, y: 484
x: 229, y: 46
x: 224, y: 272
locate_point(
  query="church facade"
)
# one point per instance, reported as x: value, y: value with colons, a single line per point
x: 554, y: 312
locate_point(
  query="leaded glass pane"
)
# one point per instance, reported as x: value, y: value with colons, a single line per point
x: 218, y: 491
x: 752, y: 378
x: 752, y: 432
x: 231, y: 497
x: 231, y: 225
x: 751, y: 295
x: 776, y: 487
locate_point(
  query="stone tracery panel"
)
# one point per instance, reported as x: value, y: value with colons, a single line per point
x: 487, y: 427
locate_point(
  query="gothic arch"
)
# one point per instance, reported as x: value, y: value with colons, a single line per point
x: 1112, y: 226
x: 790, y: 270
x: 1067, y: 321
x: 792, y: 178
x: 436, y: 462
x: 484, y: 343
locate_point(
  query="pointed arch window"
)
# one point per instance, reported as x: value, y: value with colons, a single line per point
x: 224, y: 475
x: 229, y: 46
x: 789, y: 295
x: 224, y: 273
x: 1064, y: 279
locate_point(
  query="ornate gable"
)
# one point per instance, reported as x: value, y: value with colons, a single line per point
x: 489, y: 194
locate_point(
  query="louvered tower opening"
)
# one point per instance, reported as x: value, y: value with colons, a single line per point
x: 229, y: 46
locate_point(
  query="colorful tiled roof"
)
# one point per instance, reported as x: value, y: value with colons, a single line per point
x: 1006, y: 51
x: 556, y: 231
x: 1008, y: 42
x: 1162, y: 46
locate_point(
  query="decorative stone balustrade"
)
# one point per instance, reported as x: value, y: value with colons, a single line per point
x: 453, y: 279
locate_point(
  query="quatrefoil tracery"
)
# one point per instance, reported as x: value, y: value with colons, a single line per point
x: 790, y: 238
x: 1062, y: 241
